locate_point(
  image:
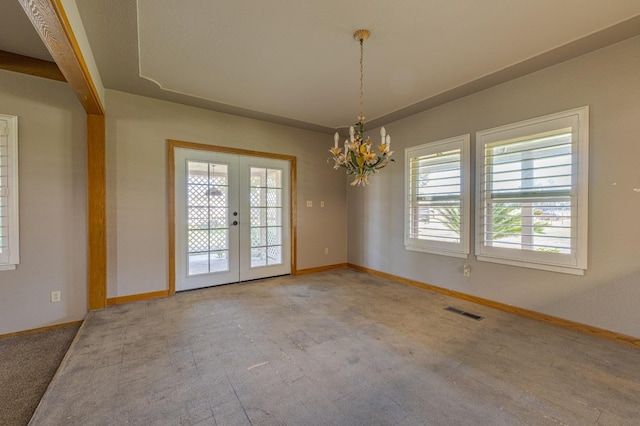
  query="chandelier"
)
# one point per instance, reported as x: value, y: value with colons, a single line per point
x: 359, y: 157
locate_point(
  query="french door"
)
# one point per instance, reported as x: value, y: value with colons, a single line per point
x: 231, y: 218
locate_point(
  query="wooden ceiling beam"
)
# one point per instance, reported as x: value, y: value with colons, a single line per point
x: 32, y: 66
x: 51, y: 23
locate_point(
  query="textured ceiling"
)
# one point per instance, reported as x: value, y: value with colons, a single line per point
x: 295, y: 61
x: 17, y: 35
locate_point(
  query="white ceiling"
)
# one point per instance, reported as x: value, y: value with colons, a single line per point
x: 17, y: 35
x: 296, y: 62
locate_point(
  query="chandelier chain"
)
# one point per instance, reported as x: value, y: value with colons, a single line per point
x: 361, y: 117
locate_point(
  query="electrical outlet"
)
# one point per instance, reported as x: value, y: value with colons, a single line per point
x: 466, y: 270
x: 326, y: 250
x: 321, y: 203
x: 55, y: 296
x: 309, y: 203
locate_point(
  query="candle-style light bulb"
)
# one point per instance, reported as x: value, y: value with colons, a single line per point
x: 336, y: 137
x: 352, y: 132
x: 388, y: 140
x: 383, y: 133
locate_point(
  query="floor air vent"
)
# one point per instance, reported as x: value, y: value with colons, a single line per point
x: 463, y: 313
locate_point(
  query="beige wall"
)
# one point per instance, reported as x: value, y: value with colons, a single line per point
x: 52, y: 179
x: 607, y: 296
x: 137, y: 212
x: 53, y: 213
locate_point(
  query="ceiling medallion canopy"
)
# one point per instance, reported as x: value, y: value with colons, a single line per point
x: 359, y: 158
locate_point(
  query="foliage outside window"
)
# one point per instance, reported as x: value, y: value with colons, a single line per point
x: 9, y: 243
x: 437, y: 197
x: 532, y: 193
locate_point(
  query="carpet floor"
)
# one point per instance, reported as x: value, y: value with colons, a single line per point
x: 27, y: 364
x: 335, y: 348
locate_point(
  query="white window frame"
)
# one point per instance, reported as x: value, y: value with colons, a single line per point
x: 574, y: 262
x: 461, y: 248
x: 10, y: 249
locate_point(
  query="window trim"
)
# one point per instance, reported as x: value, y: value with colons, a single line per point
x: 576, y: 262
x: 461, y: 249
x: 13, y: 258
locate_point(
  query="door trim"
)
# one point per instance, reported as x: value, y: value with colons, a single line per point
x: 173, y: 144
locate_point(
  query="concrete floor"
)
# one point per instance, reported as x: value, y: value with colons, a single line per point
x: 335, y: 348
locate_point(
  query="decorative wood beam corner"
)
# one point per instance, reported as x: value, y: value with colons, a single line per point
x: 32, y: 66
x: 51, y: 23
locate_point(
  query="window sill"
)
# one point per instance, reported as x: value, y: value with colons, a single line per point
x: 531, y: 265
x: 436, y: 251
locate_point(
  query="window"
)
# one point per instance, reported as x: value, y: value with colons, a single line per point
x: 437, y: 197
x: 9, y: 246
x: 532, y: 193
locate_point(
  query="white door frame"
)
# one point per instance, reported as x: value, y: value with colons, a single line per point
x: 173, y: 145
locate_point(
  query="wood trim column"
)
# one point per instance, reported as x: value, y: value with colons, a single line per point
x: 96, y: 213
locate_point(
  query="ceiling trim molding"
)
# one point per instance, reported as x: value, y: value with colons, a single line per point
x: 603, y: 38
x: 51, y: 23
x: 32, y: 66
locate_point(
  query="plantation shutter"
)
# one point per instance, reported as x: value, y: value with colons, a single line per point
x: 9, y: 247
x: 532, y: 192
x: 437, y: 197
x: 4, y: 193
x: 527, y: 194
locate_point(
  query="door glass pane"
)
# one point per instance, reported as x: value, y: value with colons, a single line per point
x: 266, y: 216
x: 274, y: 217
x: 198, y: 241
x: 274, y: 197
x: 273, y: 236
x: 258, y: 196
x: 258, y: 216
x: 207, y: 217
x: 198, y: 264
x: 258, y: 177
x: 274, y: 255
x: 219, y: 261
x: 274, y: 178
x: 258, y: 256
x: 218, y: 239
x: 258, y: 237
